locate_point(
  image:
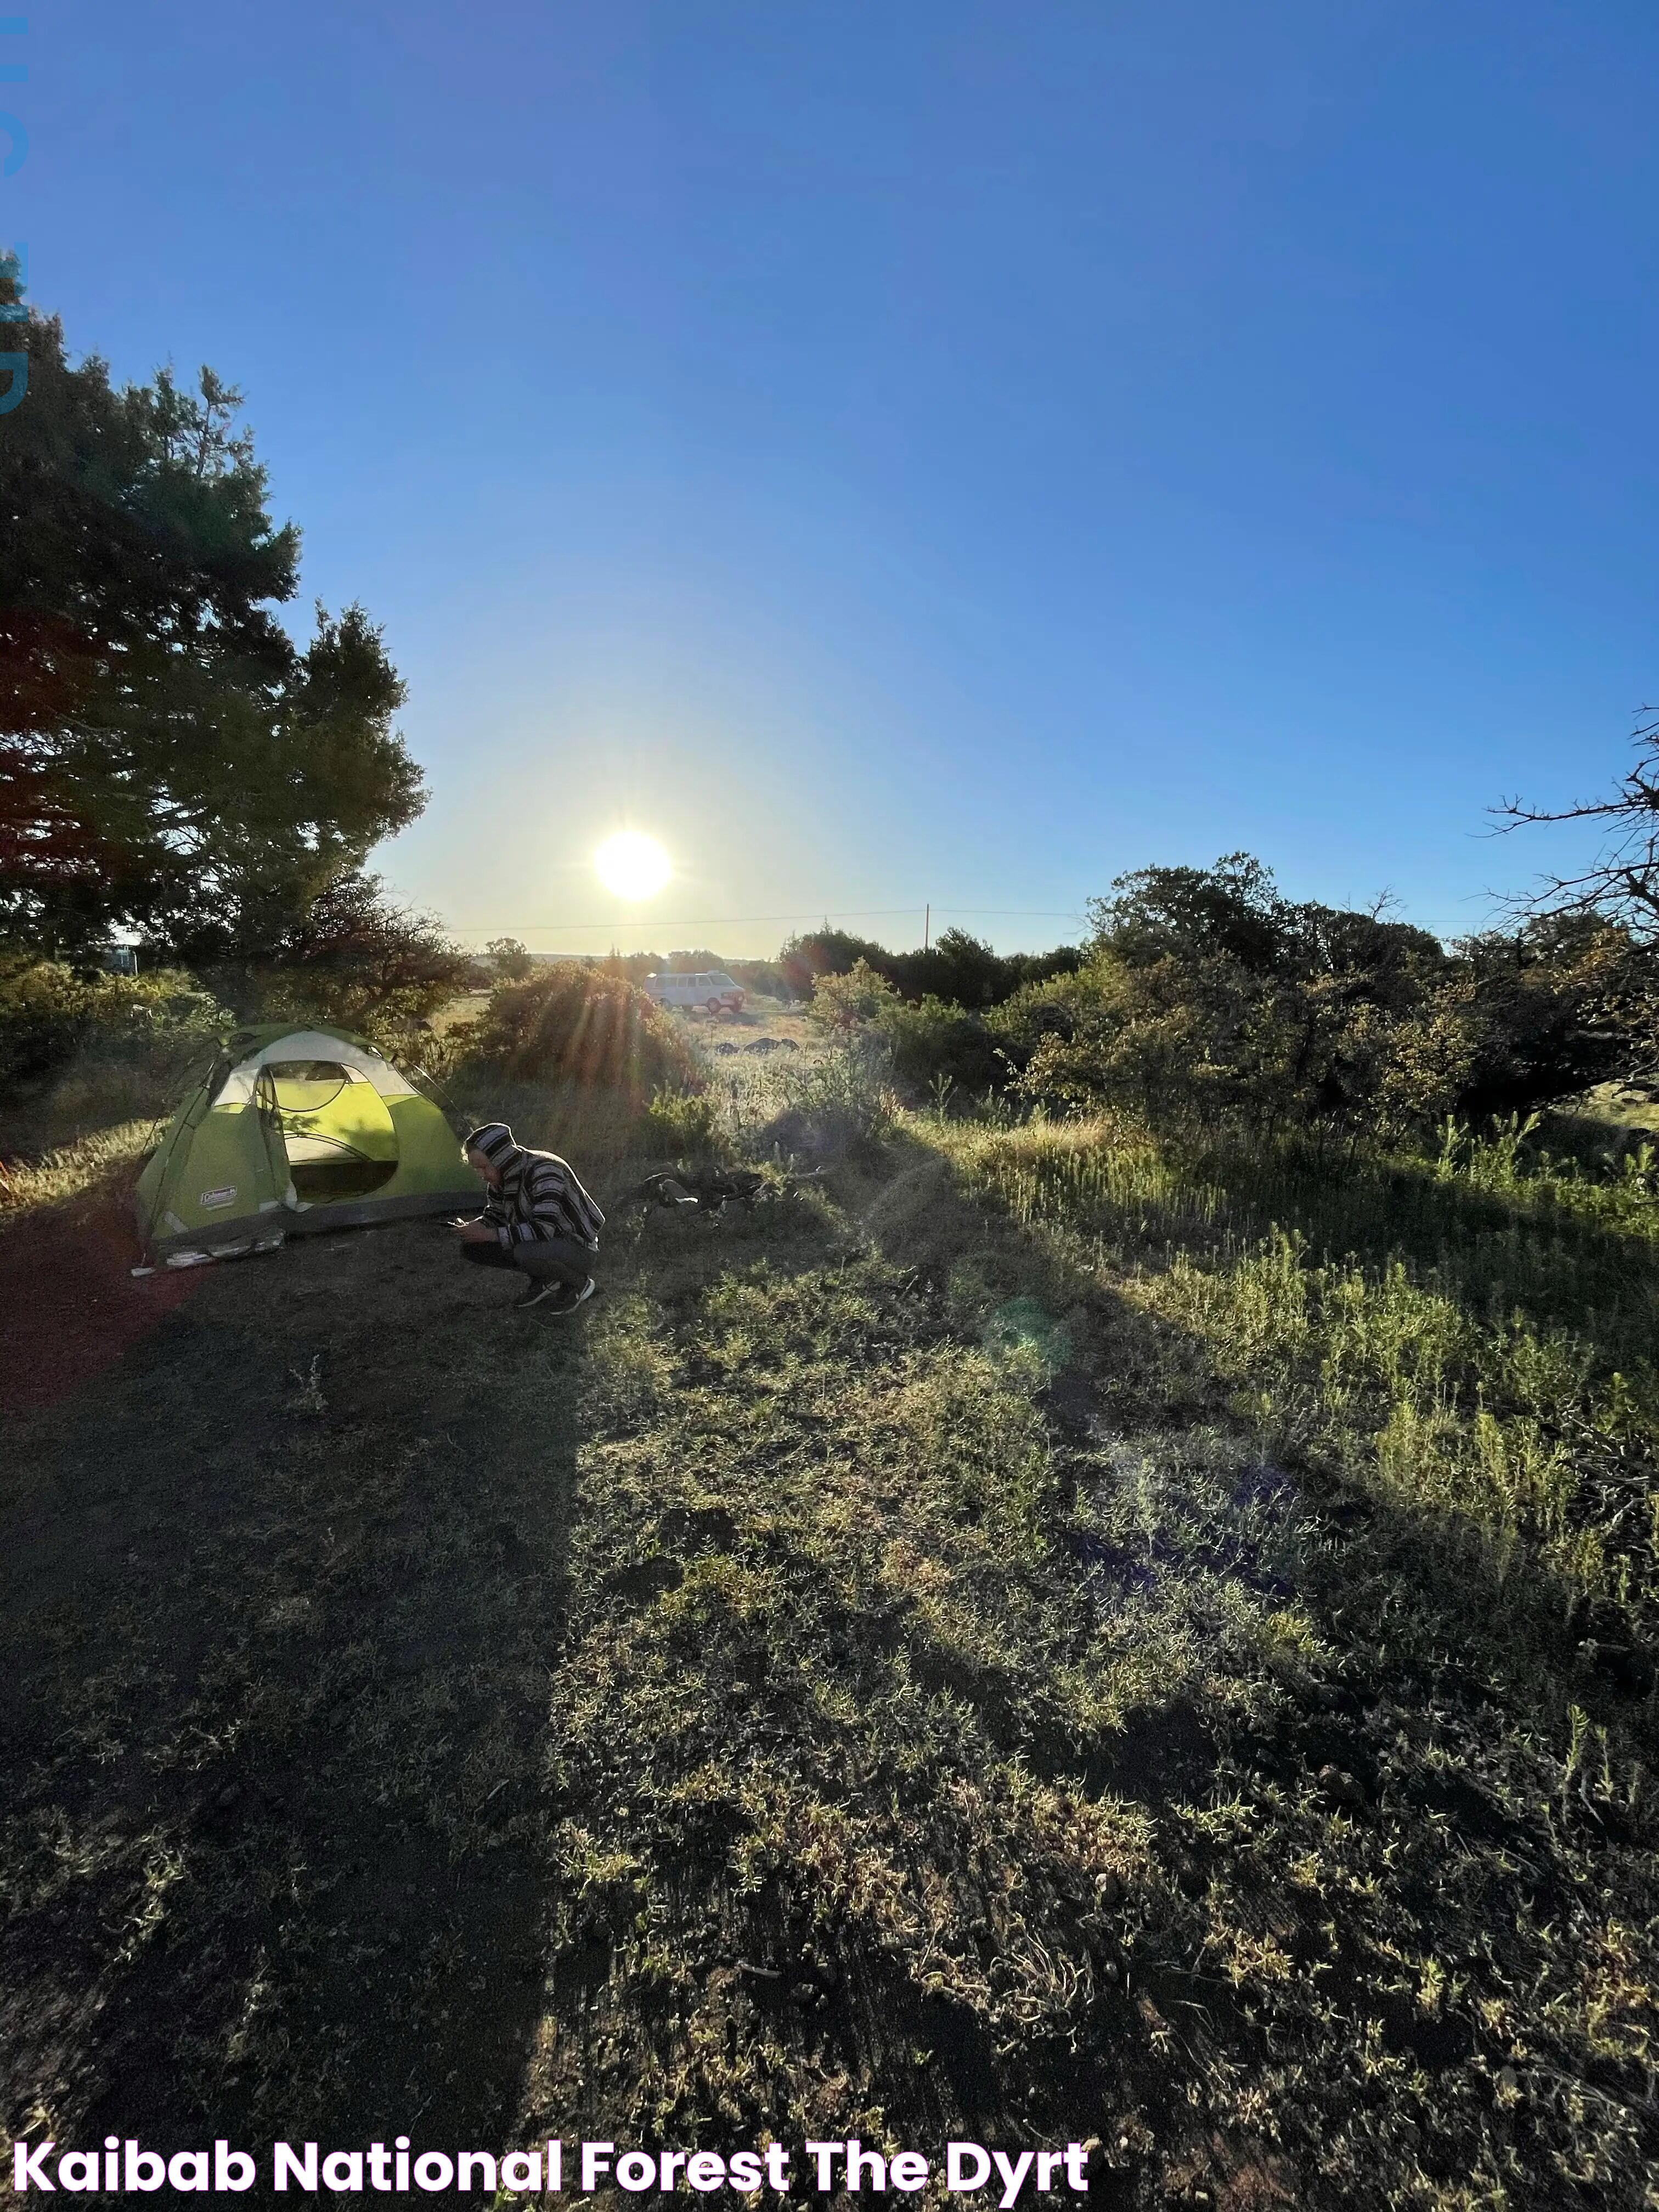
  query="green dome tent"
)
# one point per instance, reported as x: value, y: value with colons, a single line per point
x: 292, y: 1129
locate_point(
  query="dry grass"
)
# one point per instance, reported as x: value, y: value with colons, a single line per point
x: 1474, y: 1334
x: 68, y: 1171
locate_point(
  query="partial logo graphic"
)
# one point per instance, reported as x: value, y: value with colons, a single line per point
x: 212, y: 1198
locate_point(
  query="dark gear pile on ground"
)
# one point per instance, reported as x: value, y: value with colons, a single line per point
x: 713, y: 1189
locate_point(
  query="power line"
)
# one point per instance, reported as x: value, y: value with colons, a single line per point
x: 803, y: 914
x: 700, y: 922
x: 830, y: 916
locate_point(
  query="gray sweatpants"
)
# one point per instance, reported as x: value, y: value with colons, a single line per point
x: 559, y: 1259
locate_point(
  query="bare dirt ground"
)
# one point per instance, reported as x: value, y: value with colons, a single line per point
x: 71, y: 1303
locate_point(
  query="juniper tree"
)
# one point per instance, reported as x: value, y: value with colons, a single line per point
x: 170, y: 759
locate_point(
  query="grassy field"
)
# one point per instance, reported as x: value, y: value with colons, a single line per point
x: 1028, y: 1636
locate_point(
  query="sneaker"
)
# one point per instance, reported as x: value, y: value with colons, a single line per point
x: 565, y: 1297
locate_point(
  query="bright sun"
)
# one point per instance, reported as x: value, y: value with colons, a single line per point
x: 632, y: 865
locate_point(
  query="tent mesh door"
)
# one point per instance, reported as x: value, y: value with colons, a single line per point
x: 334, y: 1127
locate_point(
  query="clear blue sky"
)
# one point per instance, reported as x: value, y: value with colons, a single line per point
x: 924, y: 451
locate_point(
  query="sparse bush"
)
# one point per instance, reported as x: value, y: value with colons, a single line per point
x: 579, y: 1025
x: 821, y: 1106
x: 762, y: 979
x: 852, y: 1000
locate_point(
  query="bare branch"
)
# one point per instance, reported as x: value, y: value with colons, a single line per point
x: 1623, y: 882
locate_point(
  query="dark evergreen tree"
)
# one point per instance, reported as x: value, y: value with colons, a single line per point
x: 169, y: 758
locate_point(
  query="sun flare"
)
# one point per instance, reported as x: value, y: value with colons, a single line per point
x: 632, y: 865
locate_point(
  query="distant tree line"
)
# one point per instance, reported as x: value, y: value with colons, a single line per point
x: 507, y: 958
x: 956, y: 967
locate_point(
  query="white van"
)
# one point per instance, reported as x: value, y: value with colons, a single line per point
x: 713, y: 990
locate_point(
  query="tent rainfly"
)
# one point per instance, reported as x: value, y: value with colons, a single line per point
x: 292, y: 1130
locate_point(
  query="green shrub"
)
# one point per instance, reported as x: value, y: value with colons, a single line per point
x: 1208, y: 1001
x: 930, y: 1043
x: 937, y: 1043
x: 683, y: 1121
x: 51, y: 1018
x: 575, y: 1025
x: 852, y: 1000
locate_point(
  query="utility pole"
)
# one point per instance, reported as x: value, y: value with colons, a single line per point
x: 926, y: 927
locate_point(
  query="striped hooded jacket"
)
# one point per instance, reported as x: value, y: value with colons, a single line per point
x: 541, y: 1197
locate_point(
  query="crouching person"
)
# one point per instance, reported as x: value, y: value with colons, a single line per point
x: 536, y: 1218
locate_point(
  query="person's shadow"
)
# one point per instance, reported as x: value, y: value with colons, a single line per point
x: 294, y: 1580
